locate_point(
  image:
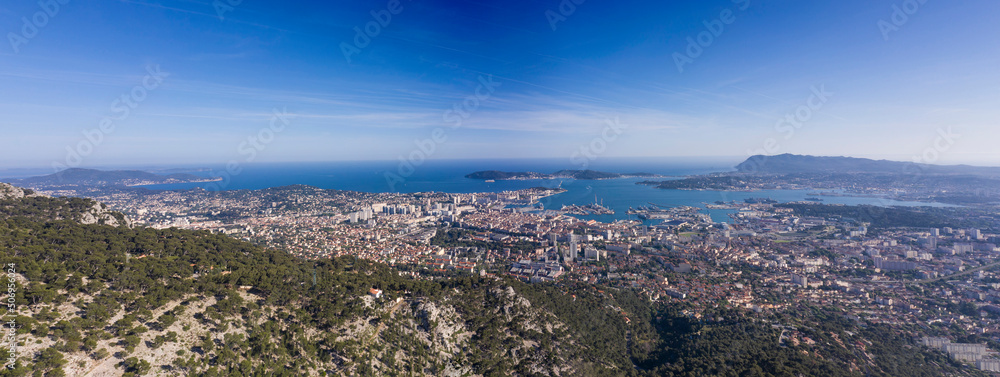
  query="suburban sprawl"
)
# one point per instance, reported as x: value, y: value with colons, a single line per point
x: 769, y: 257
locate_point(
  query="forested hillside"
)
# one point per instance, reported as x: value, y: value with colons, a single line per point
x: 102, y: 300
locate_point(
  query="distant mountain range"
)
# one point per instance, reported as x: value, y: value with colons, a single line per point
x: 92, y: 177
x: 569, y: 174
x: 953, y: 184
x: 794, y: 164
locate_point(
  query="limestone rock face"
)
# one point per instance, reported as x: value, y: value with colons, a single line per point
x: 97, y: 213
x: 11, y: 192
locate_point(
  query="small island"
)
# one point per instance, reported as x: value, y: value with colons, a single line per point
x: 561, y: 174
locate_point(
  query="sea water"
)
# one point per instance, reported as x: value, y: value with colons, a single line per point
x: 449, y: 176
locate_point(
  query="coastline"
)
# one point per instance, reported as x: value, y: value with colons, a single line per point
x: 207, y: 180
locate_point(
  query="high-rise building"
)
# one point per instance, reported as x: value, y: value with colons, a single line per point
x: 572, y: 251
x: 935, y: 342
x: 989, y: 365
x: 930, y: 242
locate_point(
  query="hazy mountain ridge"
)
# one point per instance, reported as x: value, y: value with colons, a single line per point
x: 953, y: 184
x: 791, y: 164
x: 93, y: 177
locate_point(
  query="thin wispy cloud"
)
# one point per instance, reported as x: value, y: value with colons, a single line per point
x: 382, y: 79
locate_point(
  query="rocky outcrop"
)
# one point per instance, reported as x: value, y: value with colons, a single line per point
x: 99, y: 214
x: 443, y: 325
x: 12, y: 192
x: 26, y: 202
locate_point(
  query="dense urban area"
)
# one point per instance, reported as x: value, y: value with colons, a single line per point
x: 811, y: 288
x: 901, y: 267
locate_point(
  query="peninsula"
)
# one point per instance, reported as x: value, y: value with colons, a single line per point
x: 953, y: 184
x: 104, y: 178
x: 561, y: 174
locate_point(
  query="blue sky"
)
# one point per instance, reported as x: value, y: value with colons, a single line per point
x: 894, y: 89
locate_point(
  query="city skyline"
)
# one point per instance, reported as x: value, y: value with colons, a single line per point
x: 199, y: 82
